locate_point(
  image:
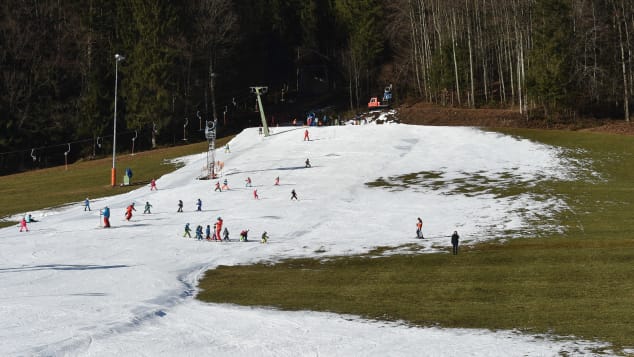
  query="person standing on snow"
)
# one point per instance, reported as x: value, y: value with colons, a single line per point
x: 419, y: 228
x: 265, y: 238
x: 153, y: 185
x: 218, y: 187
x: 255, y: 195
x: 243, y: 235
x: 86, y: 205
x: 199, y: 205
x: 180, y: 206
x: 218, y: 228
x: 199, y: 232
x: 147, y: 208
x: 208, y: 233
x: 455, y: 238
x: 225, y: 234
x: 106, y: 217
x: 306, y: 137
x: 128, y: 211
x: 277, y: 181
x: 225, y: 184
x: 307, y: 163
x: 23, y: 224
x: 248, y: 182
x: 293, y: 194
x: 187, y: 231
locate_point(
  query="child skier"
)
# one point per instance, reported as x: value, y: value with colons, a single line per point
x: 306, y: 137
x: 187, y: 230
x: 293, y: 194
x: 128, y: 211
x: 199, y: 205
x: 218, y: 187
x: 153, y: 185
x: 419, y: 228
x: 180, y: 206
x: 86, y: 205
x: 265, y: 238
x: 218, y: 228
x: 255, y: 195
x: 248, y: 182
x: 106, y: 217
x: 147, y: 208
x: 307, y: 163
x: 225, y: 185
x: 208, y: 233
x: 243, y: 235
x: 277, y: 181
x: 225, y: 234
x: 23, y: 224
x: 199, y: 232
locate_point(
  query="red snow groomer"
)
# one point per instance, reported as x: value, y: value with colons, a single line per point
x: 375, y: 104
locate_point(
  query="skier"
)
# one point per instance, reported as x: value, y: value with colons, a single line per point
x: 147, y: 208
x: 218, y: 228
x: 128, y: 211
x: 306, y: 137
x: 227, y: 150
x: 187, y: 230
x: 106, y: 217
x: 255, y: 195
x: 30, y: 219
x: 419, y: 228
x: 180, y: 206
x: 218, y: 187
x: 199, y: 205
x: 265, y: 238
x: 455, y: 238
x: 23, y: 224
x: 277, y: 181
x: 199, y: 232
x: 153, y: 185
x: 248, y: 182
x: 86, y: 205
x: 225, y: 234
x: 243, y: 235
x: 293, y: 194
x: 225, y: 184
x: 307, y: 163
x: 208, y: 233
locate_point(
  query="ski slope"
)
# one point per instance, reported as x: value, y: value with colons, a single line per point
x: 71, y: 288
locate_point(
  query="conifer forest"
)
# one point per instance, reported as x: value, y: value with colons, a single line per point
x: 181, y: 63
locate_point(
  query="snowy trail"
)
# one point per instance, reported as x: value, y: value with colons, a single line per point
x: 72, y: 288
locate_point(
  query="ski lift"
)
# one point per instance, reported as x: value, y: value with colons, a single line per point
x: 200, y: 120
x: 136, y: 134
x: 66, y: 157
x: 184, y: 128
x: 33, y: 155
x: 210, y: 130
x: 99, y: 141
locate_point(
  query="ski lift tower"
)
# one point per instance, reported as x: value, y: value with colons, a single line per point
x: 258, y: 91
x: 210, y: 135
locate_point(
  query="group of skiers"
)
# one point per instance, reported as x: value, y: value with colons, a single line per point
x: 218, y: 233
x: 455, y: 238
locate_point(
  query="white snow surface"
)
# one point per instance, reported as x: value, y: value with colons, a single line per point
x: 71, y: 288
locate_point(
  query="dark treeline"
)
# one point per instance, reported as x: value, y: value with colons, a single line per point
x: 195, y: 60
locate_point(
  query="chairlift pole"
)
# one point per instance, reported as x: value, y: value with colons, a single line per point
x: 259, y: 91
x: 113, y: 179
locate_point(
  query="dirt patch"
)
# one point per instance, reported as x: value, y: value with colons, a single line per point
x: 430, y: 114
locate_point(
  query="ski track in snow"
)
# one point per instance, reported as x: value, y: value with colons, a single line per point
x: 70, y: 288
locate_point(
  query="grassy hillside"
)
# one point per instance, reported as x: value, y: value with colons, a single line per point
x: 44, y: 188
x: 580, y: 283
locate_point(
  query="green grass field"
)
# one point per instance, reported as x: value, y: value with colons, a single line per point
x: 38, y: 189
x: 580, y: 283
